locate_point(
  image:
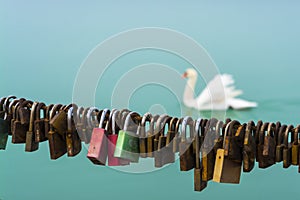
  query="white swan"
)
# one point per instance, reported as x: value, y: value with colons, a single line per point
x: 219, y: 93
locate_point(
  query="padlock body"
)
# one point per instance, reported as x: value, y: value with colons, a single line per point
x: 113, y: 161
x: 57, y: 145
x: 186, y: 156
x: 127, y: 146
x: 4, y: 128
x: 31, y: 145
x: 39, y: 130
x: 295, y: 153
x: 19, y: 132
x: 97, y: 151
x: 199, y: 184
x: 73, y: 143
x: 287, y: 157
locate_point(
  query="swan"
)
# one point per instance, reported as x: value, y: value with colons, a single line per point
x: 219, y: 94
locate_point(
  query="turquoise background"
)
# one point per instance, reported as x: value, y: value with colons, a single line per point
x: 43, y: 43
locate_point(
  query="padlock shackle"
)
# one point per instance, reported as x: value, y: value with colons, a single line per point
x: 271, y: 130
x: 10, y: 107
x: 147, y: 117
x: 122, y: 118
x: 229, y: 128
x: 187, y: 121
x: 132, y: 117
x: 257, y: 130
x: 91, y: 121
x: 288, y: 130
x: 197, y: 140
x: 115, y: 121
x: 160, y: 125
x: 48, y: 111
x: 2, y: 100
x: 32, y: 116
x: 152, y: 125
x: 104, y: 118
x: 41, y: 106
x: 54, y: 110
x: 70, y: 117
x: 249, y: 132
x: 281, y: 134
x: 7, y: 102
x: 219, y: 128
x: 262, y: 132
x: 108, y: 126
x: 297, y: 135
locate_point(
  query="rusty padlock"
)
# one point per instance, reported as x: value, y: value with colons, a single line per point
x: 186, y: 152
x: 199, y: 184
x: 249, y: 149
x: 266, y: 148
x: 19, y: 129
x: 279, y: 144
x: 56, y: 135
x: 287, y: 146
x: 31, y: 144
x: 47, y: 119
x: 39, y: 123
x: 72, y: 138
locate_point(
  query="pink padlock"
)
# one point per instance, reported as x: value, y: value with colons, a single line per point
x: 97, y: 152
x: 115, y: 123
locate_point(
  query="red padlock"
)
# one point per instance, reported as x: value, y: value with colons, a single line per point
x: 97, y: 152
x: 113, y: 127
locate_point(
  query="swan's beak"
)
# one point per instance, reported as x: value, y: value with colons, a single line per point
x: 184, y: 75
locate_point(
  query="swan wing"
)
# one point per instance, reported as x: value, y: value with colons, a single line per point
x: 217, y: 90
x: 236, y: 103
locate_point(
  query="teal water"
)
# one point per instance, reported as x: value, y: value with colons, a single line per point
x: 44, y: 43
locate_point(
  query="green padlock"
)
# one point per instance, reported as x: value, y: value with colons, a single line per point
x: 3, y: 133
x: 127, y: 146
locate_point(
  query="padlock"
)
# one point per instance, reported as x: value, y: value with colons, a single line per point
x: 163, y: 155
x: 235, y: 140
x: 287, y: 147
x: 2, y: 110
x: 177, y: 137
x: 56, y: 135
x: 151, y: 136
x: 47, y: 119
x: 31, y: 144
x: 186, y: 152
x: 168, y: 153
x: 8, y: 115
x: 19, y: 130
x: 207, y: 149
x: 279, y: 144
x: 226, y: 170
x: 295, y: 146
x: 39, y: 123
x: 92, y: 122
x: 257, y: 131
x: 3, y: 133
x: 113, y: 128
x: 276, y: 131
x: 127, y: 146
x: 83, y: 128
x: 199, y: 184
x: 141, y: 132
x: 24, y: 113
x: 249, y: 149
x: 72, y: 138
x: 218, y: 141
x: 266, y: 148
x: 97, y: 151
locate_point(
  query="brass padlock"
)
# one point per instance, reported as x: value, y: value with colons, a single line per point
x: 127, y: 146
x: 31, y: 144
x: 295, y: 146
x: 39, y: 123
x: 163, y: 155
x: 151, y: 136
x: 141, y: 132
x: 279, y: 144
x: 199, y: 183
x: 207, y: 150
x: 226, y: 170
x: 56, y: 135
x: 266, y: 148
x: 186, y: 152
x: 47, y: 119
x: 287, y: 147
x: 19, y: 130
x: 249, y: 149
x: 72, y: 138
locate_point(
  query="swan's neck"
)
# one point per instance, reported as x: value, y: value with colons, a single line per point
x: 189, y: 92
